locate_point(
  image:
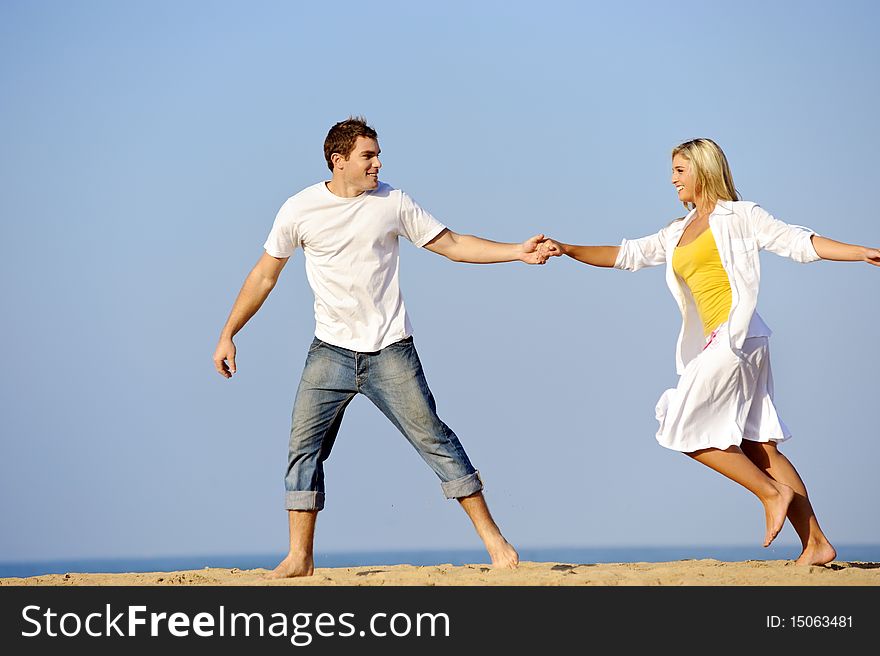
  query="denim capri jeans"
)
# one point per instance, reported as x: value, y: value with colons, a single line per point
x: 393, y: 380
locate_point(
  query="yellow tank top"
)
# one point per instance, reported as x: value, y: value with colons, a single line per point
x: 698, y: 264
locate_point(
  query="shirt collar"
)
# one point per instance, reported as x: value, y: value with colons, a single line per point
x: 723, y: 207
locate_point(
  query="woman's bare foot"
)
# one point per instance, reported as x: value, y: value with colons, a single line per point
x: 292, y: 566
x: 775, y: 510
x: 817, y: 554
x: 503, y: 554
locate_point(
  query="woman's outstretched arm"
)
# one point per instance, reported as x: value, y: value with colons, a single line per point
x: 631, y: 255
x: 828, y: 249
x: 599, y: 256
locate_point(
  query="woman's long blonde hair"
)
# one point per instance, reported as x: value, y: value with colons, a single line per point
x: 714, y: 181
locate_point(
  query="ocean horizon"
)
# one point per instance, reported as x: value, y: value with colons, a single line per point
x: 572, y: 555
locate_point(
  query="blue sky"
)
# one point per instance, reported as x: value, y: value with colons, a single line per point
x: 146, y: 146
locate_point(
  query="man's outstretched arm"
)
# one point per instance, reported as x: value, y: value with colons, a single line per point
x: 476, y: 250
x: 254, y: 291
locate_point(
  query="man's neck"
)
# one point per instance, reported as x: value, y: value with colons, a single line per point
x: 338, y: 188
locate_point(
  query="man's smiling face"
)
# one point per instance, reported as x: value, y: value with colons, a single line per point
x: 360, y: 170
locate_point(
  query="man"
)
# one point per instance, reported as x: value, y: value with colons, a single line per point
x: 348, y: 229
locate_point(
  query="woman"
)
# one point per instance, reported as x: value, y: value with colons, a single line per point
x: 721, y: 413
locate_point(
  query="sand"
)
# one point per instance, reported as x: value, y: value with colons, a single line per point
x: 681, y: 573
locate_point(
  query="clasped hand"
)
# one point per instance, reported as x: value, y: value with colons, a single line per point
x: 539, y: 249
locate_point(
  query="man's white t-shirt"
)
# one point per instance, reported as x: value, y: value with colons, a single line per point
x: 352, y: 259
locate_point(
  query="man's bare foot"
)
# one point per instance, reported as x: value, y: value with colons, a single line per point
x: 292, y: 566
x: 817, y: 554
x: 503, y: 554
x: 775, y: 510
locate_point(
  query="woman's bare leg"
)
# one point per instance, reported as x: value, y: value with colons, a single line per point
x: 735, y: 465
x: 817, y: 550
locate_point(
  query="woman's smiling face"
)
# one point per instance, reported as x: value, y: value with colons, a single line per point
x: 684, y: 180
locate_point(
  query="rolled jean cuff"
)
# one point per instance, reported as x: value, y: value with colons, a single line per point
x: 303, y: 500
x: 462, y: 487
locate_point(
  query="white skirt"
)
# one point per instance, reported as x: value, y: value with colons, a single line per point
x: 721, y: 399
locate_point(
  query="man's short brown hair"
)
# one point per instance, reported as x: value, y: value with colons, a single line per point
x: 343, y: 136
